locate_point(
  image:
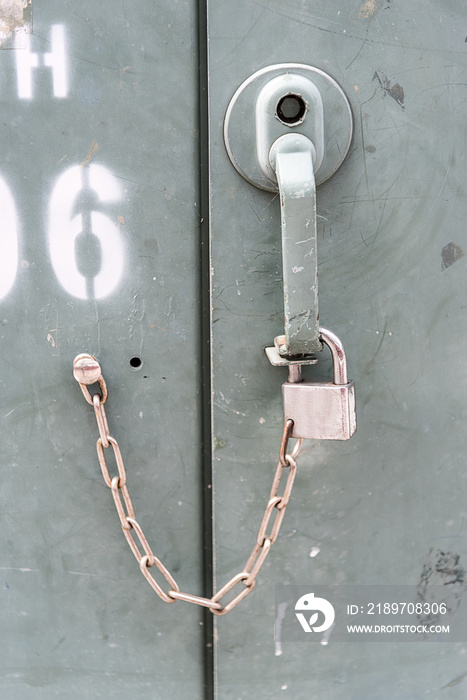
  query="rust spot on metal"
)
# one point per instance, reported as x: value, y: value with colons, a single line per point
x: 92, y: 151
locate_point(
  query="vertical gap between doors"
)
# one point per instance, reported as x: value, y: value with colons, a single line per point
x: 206, y: 408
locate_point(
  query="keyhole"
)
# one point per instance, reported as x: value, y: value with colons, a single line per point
x: 291, y: 109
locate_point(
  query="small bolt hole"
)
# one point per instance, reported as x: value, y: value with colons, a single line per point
x: 291, y: 109
x: 136, y: 362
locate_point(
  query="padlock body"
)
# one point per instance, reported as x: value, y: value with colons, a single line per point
x: 320, y: 410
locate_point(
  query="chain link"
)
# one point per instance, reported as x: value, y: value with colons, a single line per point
x: 87, y: 371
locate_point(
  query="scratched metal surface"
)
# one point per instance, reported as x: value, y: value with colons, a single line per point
x: 108, y: 139
x: 393, y: 286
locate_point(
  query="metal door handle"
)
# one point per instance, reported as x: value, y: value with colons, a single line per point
x: 291, y: 157
x: 288, y: 127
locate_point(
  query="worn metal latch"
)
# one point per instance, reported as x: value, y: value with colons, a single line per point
x: 288, y: 127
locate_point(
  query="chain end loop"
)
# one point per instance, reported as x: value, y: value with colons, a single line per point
x: 87, y: 371
x: 288, y: 427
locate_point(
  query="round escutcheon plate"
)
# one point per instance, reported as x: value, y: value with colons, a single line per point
x: 241, y: 125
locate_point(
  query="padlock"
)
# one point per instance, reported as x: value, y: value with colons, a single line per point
x: 322, y: 410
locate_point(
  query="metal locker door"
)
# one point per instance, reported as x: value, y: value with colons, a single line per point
x: 99, y: 193
x: 387, y: 507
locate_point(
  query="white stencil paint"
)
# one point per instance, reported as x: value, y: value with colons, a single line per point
x: 8, y: 238
x: 65, y: 227
x: 56, y: 59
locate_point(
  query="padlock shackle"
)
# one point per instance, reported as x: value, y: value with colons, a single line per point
x: 339, y: 361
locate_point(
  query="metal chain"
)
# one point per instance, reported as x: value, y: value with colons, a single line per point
x: 86, y: 371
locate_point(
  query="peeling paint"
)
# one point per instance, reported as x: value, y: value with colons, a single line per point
x: 395, y: 91
x: 441, y: 569
x: 371, y: 7
x: 15, y: 19
x: 368, y: 9
x: 51, y: 339
x: 450, y: 254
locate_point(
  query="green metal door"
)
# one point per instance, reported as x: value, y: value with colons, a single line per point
x: 127, y: 233
x: 382, y: 507
x: 100, y: 218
